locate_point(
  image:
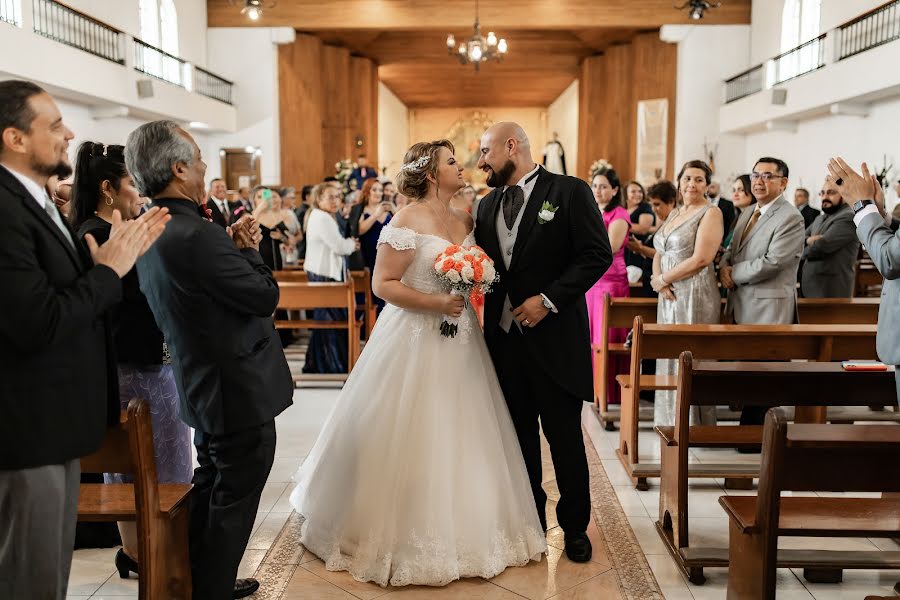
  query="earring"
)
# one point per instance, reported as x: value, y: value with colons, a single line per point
x: 109, y: 200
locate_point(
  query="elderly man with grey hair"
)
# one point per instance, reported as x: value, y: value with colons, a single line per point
x: 213, y: 298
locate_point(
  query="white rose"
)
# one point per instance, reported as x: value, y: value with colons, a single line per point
x: 468, y: 274
x: 489, y: 272
x: 453, y: 276
x: 458, y: 256
x: 438, y: 269
x: 546, y: 215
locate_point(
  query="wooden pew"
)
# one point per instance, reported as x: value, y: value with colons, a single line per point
x: 805, y: 457
x: 620, y: 313
x: 312, y: 295
x: 822, y: 343
x: 362, y: 284
x: 749, y: 384
x: 159, y: 510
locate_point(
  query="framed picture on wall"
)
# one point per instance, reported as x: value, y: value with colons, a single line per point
x: 652, y: 140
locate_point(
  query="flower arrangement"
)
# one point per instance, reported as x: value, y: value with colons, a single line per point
x: 600, y: 166
x: 468, y: 270
x: 342, y: 171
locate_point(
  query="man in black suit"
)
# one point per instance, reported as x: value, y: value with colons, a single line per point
x: 58, y: 386
x: 546, y: 236
x: 801, y: 201
x: 726, y: 206
x: 232, y: 377
x: 218, y: 205
x: 362, y: 172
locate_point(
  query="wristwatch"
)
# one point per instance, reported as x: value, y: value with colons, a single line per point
x: 547, y: 303
x: 861, y: 204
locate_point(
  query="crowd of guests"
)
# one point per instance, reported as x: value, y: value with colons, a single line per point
x: 690, y: 248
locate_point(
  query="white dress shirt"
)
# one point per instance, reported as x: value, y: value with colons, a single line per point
x: 871, y: 209
x: 43, y: 199
x: 325, y: 246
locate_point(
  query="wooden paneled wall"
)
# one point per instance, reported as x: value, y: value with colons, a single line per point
x: 610, y: 88
x: 326, y: 99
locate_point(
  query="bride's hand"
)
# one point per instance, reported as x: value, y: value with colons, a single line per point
x: 450, y: 304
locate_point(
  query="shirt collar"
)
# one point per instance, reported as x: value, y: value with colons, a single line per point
x: 527, y: 182
x: 36, y: 191
x: 763, y: 209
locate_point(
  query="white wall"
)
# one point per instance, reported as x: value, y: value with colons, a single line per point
x: 699, y: 94
x: 393, y: 130
x: 562, y: 118
x: 248, y: 57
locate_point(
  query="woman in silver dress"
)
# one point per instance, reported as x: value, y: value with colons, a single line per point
x: 684, y: 276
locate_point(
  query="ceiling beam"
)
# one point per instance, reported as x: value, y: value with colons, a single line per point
x: 406, y: 15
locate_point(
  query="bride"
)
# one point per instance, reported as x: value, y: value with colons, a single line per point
x: 417, y: 476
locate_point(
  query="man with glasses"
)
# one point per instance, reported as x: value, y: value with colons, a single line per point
x: 760, y: 267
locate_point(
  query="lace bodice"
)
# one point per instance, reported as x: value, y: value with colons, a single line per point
x: 420, y: 273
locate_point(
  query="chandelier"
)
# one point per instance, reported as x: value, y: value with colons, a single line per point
x: 253, y: 9
x: 477, y: 49
x: 698, y: 7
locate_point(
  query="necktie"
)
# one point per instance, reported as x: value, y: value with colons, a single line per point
x: 54, y: 215
x: 223, y: 206
x: 753, y: 219
x: 513, y: 199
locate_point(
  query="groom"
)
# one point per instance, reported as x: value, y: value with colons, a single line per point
x: 546, y: 236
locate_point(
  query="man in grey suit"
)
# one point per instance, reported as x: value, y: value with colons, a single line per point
x: 760, y: 266
x: 866, y: 199
x: 829, y: 266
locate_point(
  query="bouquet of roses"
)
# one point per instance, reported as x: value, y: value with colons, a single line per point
x: 468, y: 270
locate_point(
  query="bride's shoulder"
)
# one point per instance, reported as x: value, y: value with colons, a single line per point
x: 463, y: 216
x: 410, y: 217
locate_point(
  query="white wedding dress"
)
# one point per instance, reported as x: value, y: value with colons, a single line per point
x: 417, y: 476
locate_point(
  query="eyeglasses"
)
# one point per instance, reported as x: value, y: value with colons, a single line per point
x: 767, y: 177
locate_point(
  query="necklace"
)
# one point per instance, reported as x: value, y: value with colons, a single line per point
x: 443, y: 221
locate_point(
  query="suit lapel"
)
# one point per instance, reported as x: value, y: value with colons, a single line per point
x: 492, y: 242
x: 537, y: 198
x: 764, y: 219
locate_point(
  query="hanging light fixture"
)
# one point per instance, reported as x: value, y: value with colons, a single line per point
x: 698, y: 7
x: 253, y: 9
x: 477, y: 49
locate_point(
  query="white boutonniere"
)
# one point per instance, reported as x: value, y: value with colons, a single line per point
x: 548, y: 213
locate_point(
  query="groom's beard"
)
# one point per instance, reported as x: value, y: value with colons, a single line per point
x: 501, y: 177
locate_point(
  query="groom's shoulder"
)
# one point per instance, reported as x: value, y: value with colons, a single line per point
x: 567, y: 184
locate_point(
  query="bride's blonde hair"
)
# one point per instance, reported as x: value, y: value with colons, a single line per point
x: 420, y: 161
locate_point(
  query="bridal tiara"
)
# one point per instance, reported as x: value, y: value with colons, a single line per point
x: 416, y: 164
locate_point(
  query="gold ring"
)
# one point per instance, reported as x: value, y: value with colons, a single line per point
x: 526, y: 322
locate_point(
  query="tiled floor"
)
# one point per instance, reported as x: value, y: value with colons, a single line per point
x: 93, y: 574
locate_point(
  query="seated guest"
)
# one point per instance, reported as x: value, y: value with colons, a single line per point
x: 218, y: 202
x: 232, y: 377
x: 58, y: 388
x: 102, y: 186
x: 325, y: 252
x: 829, y: 257
x: 801, y: 201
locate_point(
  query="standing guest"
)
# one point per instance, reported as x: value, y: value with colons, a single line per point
x: 759, y: 268
x: 829, y: 258
x: 662, y: 196
x: 218, y: 202
x: 368, y: 217
x: 361, y: 173
x: 58, y: 388
x: 300, y: 214
x: 801, y: 201
x: 231, y: 373
x: 243, y: 203
x: 684, y: 275
x: 741, y: 199
x: 325, y: 252
x: 102, y: 186
x: 464, y: 199
x: 390, y: 190
x: 873, y: 227
x: 400, y: 201
x: 284, y: 229
x: 614, y: 282
x: 724, y: 205
x: 643, y: 224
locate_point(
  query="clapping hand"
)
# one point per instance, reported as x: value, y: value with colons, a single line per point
x: 245, y: 233
x: 854, y: 186
x: 128, y: 240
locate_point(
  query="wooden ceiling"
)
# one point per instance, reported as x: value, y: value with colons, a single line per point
x: 406, y: 39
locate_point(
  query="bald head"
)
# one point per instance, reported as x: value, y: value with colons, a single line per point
x: 505, y: 154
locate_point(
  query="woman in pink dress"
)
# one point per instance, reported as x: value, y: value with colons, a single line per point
x: 614, y: 283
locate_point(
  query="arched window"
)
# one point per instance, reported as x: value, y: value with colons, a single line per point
x: 799, y: 24
x: 159, y: 28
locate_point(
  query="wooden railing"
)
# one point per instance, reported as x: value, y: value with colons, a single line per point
x: 212, y: 86
x: 876, y: 27
x: 68, y: 26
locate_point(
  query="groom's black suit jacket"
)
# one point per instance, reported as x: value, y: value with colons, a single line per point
x: 562, y: 259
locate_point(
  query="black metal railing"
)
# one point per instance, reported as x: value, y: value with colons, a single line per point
x: 876, y: 27
x: 9, y: 12
x: 744, y: 84
x: 805, y: 58
x: 73, y: 28
x: 157, y: 63
x: 212, y: 86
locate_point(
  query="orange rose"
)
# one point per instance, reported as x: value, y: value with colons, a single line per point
x: 459, y: 265
x: 447, y: 265
x: 469, y: 258
x: 453, y: 249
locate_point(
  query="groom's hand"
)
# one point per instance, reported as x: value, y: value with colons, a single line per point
x: 531, y: 312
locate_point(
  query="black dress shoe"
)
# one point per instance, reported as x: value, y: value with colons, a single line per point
x: 125, y: 564
x: 244, y: 588
x: 578, y: 547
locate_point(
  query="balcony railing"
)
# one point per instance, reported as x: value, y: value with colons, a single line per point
x: 877, y: 27
x: 803, y: 59
x: 9, y: 12
x: 212, y: 86
x: 744, y: 84
x: 162, y: 65
x: 73, y: 28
